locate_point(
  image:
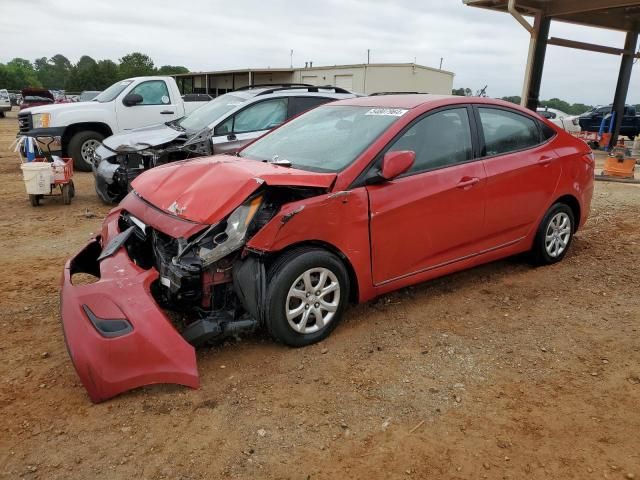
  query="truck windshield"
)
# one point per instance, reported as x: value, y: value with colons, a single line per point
x: 113, y: 91
x: 326, y: 139
x: 210, y: 112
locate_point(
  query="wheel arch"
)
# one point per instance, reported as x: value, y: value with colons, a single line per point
x: 353, y: 278
x: 573, y: 203
x: 71, y: 130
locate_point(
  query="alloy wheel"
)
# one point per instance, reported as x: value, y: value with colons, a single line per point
x: 557, y: 235
x: 312, y: 300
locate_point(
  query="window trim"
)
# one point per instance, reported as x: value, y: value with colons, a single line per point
x: 481, y: 139
x: 150, y: 104
x: 233, y: 114
x: 375, y: 163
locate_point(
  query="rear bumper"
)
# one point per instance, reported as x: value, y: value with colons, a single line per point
x: 117, y: 336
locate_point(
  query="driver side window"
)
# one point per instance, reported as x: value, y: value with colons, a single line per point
x: 153, y: 92
x: 260, y: 116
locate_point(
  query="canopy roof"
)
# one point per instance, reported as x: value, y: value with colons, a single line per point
x: 612, y: 14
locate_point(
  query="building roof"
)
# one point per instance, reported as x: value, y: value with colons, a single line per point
x: 319, y: 67
x: 612, y: 14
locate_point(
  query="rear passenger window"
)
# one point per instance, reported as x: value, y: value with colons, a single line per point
x: 302, y: 104
x: 506, y: 132
x: 438, y: 140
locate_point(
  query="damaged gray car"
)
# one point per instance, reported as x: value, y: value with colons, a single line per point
x: 223, y: 125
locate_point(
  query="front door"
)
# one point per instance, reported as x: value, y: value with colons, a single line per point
x: 248, y: 124
x: 157, y: 106
x: 432, y: 215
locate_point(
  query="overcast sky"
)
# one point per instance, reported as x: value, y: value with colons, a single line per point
x: 480, y: 47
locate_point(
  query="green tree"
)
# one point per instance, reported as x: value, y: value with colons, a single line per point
x: 462, y: 92
x: 20, y: 74
x: 136, y: 65
x: 83, y: 75
x: 172, y: 70
x: 107, y: 73
x: 513, y: 99
x: 57, y: 74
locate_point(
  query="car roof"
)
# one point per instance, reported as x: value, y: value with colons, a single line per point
x: 409, y: 101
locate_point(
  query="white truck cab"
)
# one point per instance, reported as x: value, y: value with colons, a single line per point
x: 80, y: 127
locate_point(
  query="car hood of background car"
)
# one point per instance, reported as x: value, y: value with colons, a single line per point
x: 142, y: 138
x: 205, y: 190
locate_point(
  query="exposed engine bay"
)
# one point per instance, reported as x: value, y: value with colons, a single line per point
x: 209, y: 285
x: 115, y: 167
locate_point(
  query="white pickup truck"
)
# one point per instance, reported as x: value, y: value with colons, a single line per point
x: 78, y: 128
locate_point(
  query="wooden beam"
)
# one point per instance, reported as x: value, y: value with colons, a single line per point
x: 591, y: 47
x: 569, y: 7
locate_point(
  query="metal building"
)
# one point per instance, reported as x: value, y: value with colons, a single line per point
x: 364, y: 78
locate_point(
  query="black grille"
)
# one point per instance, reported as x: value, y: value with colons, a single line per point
x: 25, y: 122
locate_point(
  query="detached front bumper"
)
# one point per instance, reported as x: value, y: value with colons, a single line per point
x: 117, y: 336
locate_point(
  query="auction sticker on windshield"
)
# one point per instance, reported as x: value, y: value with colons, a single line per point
x: 390, y: 112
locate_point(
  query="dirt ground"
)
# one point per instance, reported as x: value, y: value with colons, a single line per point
x: 500, y: 372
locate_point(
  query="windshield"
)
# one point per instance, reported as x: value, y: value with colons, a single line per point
x: 210, y: 112
x: 326, y: 139
x: 113, y: 91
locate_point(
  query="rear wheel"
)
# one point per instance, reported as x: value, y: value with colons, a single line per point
x: 81, y: 148
x: 307, y: 293
x: 554, y: 235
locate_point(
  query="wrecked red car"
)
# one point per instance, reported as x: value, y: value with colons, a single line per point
x: 344, y: 203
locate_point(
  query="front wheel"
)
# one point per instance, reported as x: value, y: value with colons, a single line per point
x: 81, y: 148
x: 307, y: 292
x: 554, y: 235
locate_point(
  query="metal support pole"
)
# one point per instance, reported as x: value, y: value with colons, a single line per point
x: 622, y: 88
x: 531, y: 95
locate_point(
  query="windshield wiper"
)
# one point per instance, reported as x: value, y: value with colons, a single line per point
x: 279, y: 161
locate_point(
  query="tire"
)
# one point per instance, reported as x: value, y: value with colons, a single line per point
x: 554, y: 235
x: 66, y: 194
x: 35, y: 200
x: 81, y: 146
x: 287, y: 273
x: 2, y: 114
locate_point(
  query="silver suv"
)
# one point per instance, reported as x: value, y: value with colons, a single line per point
x: 224, y: 125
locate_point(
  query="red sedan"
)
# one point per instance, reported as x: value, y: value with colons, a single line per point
x: 346, y: 202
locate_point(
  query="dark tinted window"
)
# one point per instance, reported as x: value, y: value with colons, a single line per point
x: 547, y: 131
x: 440, y: 139
x: 506, y: 132
x: 302, y: 104
x: 604, y: 110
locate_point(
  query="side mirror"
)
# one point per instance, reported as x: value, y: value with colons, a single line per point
x: 132, y: 99
x: 396, y: 163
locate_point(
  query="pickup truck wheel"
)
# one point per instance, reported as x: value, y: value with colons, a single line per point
x: 81, y: 148
x: 308, y: 289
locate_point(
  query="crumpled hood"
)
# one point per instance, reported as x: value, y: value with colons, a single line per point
x: 142, y: 138
x: 207, y: 189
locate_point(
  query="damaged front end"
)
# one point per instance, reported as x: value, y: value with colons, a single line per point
x: 163, y: 284
x: 118, y: 161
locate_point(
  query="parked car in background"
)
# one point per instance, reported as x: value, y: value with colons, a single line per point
x: 88, y: 95
x: 35, y: 97
x: 590, y: 121
x: 16, y: 99
x: 346, y: 202
x: 563, y: 120
x: 5, y: 102
x: 79, y: 127
x: 223, y: 125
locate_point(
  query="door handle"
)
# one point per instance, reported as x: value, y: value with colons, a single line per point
x: 467, y: 182
x: 544, y: 161
x: 167, y: 112
x: 231, y: 137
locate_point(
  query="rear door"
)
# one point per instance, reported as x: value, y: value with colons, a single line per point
x: 522, y: 173
x: 248, y: 124
x: 433, y: 214
x: 158, y: 106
